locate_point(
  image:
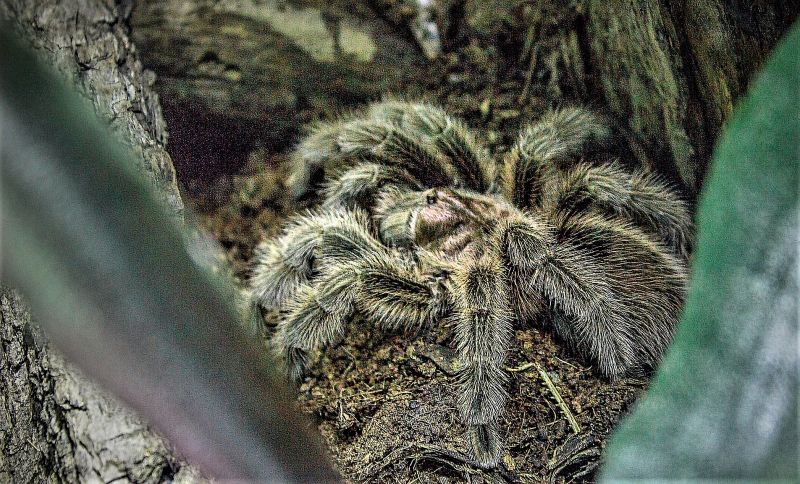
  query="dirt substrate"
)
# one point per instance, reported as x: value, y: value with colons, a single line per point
x: 386, y: 403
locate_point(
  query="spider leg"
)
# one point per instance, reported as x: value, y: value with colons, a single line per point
x: 317, y: 154
x: 399, y: 147
x: 284, y: 263
x: 315, y: 317
x: 618, y: 289
x: 554, y: 141
x: 449, y: 135
x: 640, y: 197
x: 400, y: 298
x: 483, y: 333
x: 337, y: 146
x: 358, y: 186
x: 388, y: 297
x: 422, y: 140
x: 287, y: 262
x: 355, y: 274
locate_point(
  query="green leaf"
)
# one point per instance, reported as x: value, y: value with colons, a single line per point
x: 108, y: 276
x: 724, y: 403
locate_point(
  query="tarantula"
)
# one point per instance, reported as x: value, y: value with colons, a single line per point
x: 418, y: 225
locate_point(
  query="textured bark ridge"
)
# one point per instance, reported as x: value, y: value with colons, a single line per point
x: 89, y: 43
x: 34, y: 443
x: 672, y: 71
x: 234, y: 74
x: 55, y: 425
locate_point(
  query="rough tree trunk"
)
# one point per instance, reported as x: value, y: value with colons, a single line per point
x: 234, y: 74
x: 55, y: 425
x: 669, y: 73
x: 674, y: 70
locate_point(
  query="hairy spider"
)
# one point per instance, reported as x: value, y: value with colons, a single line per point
x: 418, y: 224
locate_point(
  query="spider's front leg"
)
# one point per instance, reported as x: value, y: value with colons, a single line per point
x: 357, y: 274
x: 336, y: 147
x: 552, y: 143
x: 284, y: 264
x: 416, y: 142
x: 315, y: 317
x: 358, y: 186
x: 483, y: 333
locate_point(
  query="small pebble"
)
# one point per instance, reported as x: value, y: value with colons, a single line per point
x: 508, y: 113
x: 486, y: 105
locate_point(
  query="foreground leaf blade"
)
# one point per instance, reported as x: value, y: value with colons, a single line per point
x: 724, y: 403
x: 108, y: 276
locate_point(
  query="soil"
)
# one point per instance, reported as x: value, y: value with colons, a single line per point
x: 385, y: 403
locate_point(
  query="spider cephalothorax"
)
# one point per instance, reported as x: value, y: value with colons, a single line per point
x: 418, y: 223
x: 442, y: 220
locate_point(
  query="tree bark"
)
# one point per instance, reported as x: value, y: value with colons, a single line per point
x: 668, y: 73
x: 89, y: 43
x: 55, y: 425
x: 672, y: 71
x: 234, y: 74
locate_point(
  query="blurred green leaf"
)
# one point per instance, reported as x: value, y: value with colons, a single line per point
x: 724, y: 403
x: 109, y: 278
